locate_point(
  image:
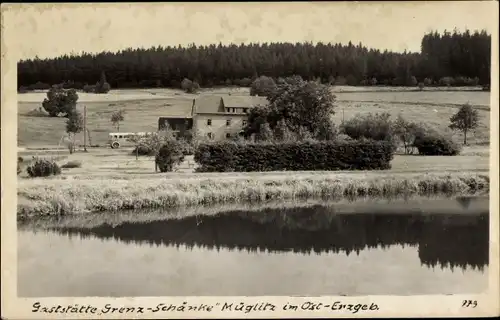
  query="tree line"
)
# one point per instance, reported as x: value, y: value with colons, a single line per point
x: 450, y: 58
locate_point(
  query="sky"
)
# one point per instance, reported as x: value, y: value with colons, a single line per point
x: 49, y: 30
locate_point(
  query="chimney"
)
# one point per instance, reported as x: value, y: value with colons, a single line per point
x: 193, y: 108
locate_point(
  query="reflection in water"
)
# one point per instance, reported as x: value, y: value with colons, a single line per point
x: 349, y: 249
x: 444, y: 239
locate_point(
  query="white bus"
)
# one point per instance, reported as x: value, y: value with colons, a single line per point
x: 122, y: 139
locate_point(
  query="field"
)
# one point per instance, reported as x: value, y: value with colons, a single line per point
x: 100, y: 163
x: 113, y: 179
x: 143, y: 107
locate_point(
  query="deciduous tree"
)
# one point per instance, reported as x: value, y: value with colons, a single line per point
x: 466, y: 119
x: 74, y: 125
x: 117, y: 117
x: 60, y: 102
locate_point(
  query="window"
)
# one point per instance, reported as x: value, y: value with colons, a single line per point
x: 209, y: 122
x: 228, y: 135
x: 245, y: 110
x: 228, y: 122
x: 209, y: 135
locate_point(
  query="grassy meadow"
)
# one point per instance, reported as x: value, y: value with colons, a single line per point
x: 113, y: 179
x: 143, y: 107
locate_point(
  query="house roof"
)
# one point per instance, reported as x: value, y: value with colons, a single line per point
x: 211, y: 103
x: 179, y: 109
x: 186, y: 116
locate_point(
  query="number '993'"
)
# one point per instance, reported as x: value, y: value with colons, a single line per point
x: 469, y: 303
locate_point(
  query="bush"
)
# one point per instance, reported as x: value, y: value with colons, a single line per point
x: 43, y: 168
x: 412, y: 81
x: 72, y: 164
x: 340, y: 81
x: 89, y: 88
x: 351, y: 80
x: 428, y: 82
x: 245, y: 82
x: 460, y: 81
x: 398, y: 81
x: 190, y: 86
x: 295, y: 156
x: 262, y: 86
x: 466, y: 81
x: 473, y: 81
x: 170, y: 154
x: 447, y: 81
x: 102, y: 86
x: 430, y: 142
x: 143, y: 150
x: 370, y: 126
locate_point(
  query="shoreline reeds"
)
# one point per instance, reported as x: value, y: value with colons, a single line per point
x: 61, y: 197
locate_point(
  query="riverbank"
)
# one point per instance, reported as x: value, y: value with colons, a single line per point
x: 456, y: 206
x: 62, y: 197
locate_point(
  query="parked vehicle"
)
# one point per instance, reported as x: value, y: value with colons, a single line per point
x: 123, y: 139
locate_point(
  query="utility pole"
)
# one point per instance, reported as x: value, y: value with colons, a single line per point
x: 85, y: 128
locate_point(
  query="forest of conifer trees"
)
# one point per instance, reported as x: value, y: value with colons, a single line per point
x: 450, y: 58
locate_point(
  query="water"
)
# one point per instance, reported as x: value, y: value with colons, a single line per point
x: 397, y: 248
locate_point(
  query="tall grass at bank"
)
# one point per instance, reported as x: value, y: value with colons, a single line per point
x: 52, y: 196
x: 412, y: 204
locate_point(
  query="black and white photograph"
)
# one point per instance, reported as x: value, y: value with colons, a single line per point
x: 320, y: 149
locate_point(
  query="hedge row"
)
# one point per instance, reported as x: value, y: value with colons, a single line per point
x: 294, y: 156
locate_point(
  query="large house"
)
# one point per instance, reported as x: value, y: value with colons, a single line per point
x: 215, y: 117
